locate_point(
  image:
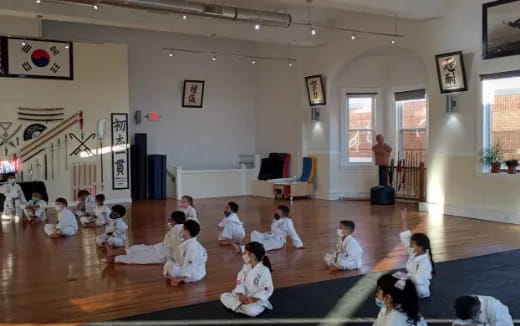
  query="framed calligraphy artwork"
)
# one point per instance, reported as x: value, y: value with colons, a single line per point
x: 315, y: 90
x: 451, y: 72
x: 500, y: 28
x: 193, y: 94
x: 120, y: 152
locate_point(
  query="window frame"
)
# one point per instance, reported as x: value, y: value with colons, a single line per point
x: 399, y: 122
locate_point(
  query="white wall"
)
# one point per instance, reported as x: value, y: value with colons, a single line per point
x: 207, y: 138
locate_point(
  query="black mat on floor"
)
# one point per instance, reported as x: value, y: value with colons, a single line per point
x: 496, y: 275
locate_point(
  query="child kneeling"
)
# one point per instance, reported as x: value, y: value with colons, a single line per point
x: 115, y: 231
x: 348, y: 254
x: 254, y: 284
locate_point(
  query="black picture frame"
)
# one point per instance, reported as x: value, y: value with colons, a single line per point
x: 184, y: 89
x: 464, y: 86
x: 487, y: 51
x: 127, y: 149
x: 5, y: 58
x: 323, y: 100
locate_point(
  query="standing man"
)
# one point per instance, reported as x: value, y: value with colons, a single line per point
x: 382, y: 153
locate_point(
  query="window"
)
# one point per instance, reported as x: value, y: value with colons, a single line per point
x: 501, y: 118
x: 360, y: 130
x: 412, y: 121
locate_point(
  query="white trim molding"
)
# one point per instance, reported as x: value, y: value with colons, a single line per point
x: 471, y: 212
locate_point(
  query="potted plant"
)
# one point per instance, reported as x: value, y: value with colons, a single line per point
x: 493, y: 157
x: 511, y: 166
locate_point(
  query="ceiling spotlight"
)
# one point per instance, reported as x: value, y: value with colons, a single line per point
x: 214, y: 58
x: 23, y: 43
x: 393, y: 41
x: 313, y: 31
x: 38, y: 1
x: 257, y: 26
x: 290, y: 63
x: 95, y: 7
x: 353, y: 37
x: 253, y: 62
x: 67, y: 46
x: 184, y: 17
x: 170, y: 54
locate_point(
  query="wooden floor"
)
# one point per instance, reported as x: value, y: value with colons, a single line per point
x: 65, y: 281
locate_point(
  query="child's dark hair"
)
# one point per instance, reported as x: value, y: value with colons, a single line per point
x: 233, y: 206
x: 285, y: 210
x: 119, y: 209
x: 349, y: 225
x: 405, y: 300
x: 466, y: 307
x: 61, y: 200
x: 83, y: 192
x: 423, y: 241
x: 258, y: 250
x: 192, y: 227
x: 189, y: 199
x: 178, y: 217
x: 100, y: 197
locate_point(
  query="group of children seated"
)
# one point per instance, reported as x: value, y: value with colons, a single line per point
x: 184, y: 258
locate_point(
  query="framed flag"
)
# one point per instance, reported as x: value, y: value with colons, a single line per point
x: 193, y: 94
x: 29, y: 58
x: 120, y: 152
x: 451, y: 72
x: 315, y: 90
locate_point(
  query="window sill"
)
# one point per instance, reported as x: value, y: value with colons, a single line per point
x: 353, y: 166
x: 501, y: 174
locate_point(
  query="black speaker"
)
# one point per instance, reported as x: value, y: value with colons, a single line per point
x: 140, y: 167
x: 157, y: 177
x: 382, y: 195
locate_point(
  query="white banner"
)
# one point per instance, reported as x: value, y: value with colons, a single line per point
x: 40, y: 59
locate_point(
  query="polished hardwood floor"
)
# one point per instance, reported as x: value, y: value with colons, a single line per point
x: 65, y: 280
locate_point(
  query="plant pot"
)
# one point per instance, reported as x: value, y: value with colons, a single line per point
x: 511, y: 169
x: 495, y: 167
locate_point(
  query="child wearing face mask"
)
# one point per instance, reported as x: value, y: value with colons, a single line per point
x: 101, y: 214
x: 397, y: 298
x: 191, y: 266
x: 188, y: 208
x: 481, y: 310
x: 35, y: 209
x: 115, y: 230
x: 67, y: 224
x: 281, y: 228
x: 254, y: 284
x: 348, y: 254
x: 14, y: 199
x: 231, y: 229
x: 420, y: 266
x: 86, y: 204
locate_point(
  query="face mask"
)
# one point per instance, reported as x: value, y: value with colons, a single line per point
x: 35, y: 199
x: 227, y: 213
x: 276, y: 216
x: 380, y: 303
x: 59, y: 208
x: 246, y: 259
x: 11, y: 181
x: 114, y: 215
x: 339, y: 232
x: 412, y: 251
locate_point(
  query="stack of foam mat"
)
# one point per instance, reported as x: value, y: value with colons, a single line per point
x: 275, y: 166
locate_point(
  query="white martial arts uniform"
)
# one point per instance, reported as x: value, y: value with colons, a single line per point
x: 193, y: 264
x: 115, y: 233
x: 492, y: 313
x: 67, y: 224
x: 89, y: 207
x: 395, y: 318
x: 348, y: 254
x: 159, y: 253
x: 280, y: 230
x: 100, y: 217
x: 419, y: 268
x: 39, y: 212
x: 252, y: 282
x: 14, y: 199
x: 191, y: 213
x: 231, y: 228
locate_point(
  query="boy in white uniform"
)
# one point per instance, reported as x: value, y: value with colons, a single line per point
x: 231, y: 229
x: 67, y: 224
x: 188, y: 208
x: 481, y: 310
x: 14, y: 199
x: 101, y: 213
x: 281, y: 228
x: 35, y: 209
x: 192, y: 268
x: 115, y: 230
x: 254, y: 283
x: 86, y: 204
x: 348, y: 254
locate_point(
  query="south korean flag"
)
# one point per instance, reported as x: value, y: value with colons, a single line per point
x: 42, y: 59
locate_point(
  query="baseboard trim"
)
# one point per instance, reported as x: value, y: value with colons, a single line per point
x: 342, y: 195
x: 471, y: 212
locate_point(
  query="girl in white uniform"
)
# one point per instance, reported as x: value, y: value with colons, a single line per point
x: 67, y: 224
x: 35, y: 209
x: 420, y: 265
x: 86, y: 204
x: 397, y: 298
x: 188, y: 208
x: 254, y: 284
x: 115, y: 231
x: 14, y: 199
x: 101, y: 213
x: 231, y: 229
x: 281, y: 228
x: 348, y: 254
x: 481, y: 310
x: 191, y: 266
x: 166, y: 252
